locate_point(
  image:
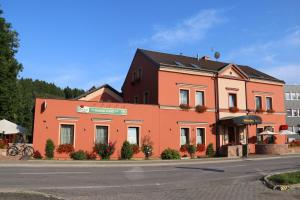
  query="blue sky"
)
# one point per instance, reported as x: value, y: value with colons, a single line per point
x: 85, y: 43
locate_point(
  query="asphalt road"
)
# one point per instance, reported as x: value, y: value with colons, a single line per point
x: 222, y: 181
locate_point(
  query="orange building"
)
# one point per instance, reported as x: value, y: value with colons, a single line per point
x: 175, y: 100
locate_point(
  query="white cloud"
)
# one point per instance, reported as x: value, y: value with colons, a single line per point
x: 277, y: 57
x: 189, y: 30
x: 289, y: 73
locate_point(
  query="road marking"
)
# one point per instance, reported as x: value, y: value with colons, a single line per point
x: 234, y: 166
x: 142, y: 171
x: 99, y: 186
x: 52, y: 173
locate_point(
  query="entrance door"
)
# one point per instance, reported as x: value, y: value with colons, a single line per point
x: 231, y: 134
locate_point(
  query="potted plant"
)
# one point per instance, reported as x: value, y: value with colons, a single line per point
x: 270, y: 111
x: 201, y: 108
x: 200, y: 147
x: 234, y: 109
x: 260, y: 110
x: 184, y: 106
x: 147, y: 146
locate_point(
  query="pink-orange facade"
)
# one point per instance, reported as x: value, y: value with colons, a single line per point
x: 174, y: 100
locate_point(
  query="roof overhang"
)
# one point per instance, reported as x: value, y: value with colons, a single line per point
x: 241, y: 120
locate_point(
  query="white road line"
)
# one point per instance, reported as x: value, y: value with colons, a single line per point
x: 52, y: 173
x: 234, y: 166
x: 99, y: 186
x: 141, y: 171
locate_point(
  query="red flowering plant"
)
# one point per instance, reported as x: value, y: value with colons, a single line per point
x: 147, y: 146
x: 201, y: 108
x: 200, y: 147
x: 283, y: 127
x: 271, y: 110
x: 259, y: 110
x: 37, y: 155
x: 184, y: 106
x: 234, y: 109
x: 65, y: 148
x: 294, y: 144
x: 183, y: 148
x: 135, y: 148
x: 105, y: 150
x: 91, y: 155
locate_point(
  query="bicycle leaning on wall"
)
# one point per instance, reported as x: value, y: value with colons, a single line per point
x: 23, y: 149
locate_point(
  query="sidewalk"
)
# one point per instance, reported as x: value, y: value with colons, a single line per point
x: 130, y: 163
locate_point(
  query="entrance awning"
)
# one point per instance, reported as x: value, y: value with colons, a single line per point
x: 241, y: 120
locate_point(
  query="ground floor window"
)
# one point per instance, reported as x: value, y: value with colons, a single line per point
x: 133, y: 135
x: 200, y: 136
x: 101, y: 134
x: 66, y: 134
x: 184, y: 136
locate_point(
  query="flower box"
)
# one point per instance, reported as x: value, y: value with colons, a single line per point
x: 259, y: 110
x: 184, y: 106
x: 234, y: 109
x: 201, y: 108
x: 270, y: 111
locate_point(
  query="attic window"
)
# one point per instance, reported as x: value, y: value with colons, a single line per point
x: 195, y: 66
x: 179, y: 64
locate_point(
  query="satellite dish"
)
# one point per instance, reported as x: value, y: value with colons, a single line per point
x: 217, y: 55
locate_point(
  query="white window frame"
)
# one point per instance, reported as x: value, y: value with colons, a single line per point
x: 189, y: 134
x: 289, y: 97
x: 108, y: 131
x: 267, y: 102
x: 236, y: 99
x: 189, y: 97
x: 204, y: 100
x: 139, y: 133
x: 204, y: 135
x: 291, y: 112
x: 59, y: 132
x: 291, y: 93
x: 260, y: 102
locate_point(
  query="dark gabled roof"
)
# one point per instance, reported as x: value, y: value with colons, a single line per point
x: 97, y: 88
x: 186, y: 62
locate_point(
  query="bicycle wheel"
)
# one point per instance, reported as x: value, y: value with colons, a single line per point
x: 12, y: 151
x: 28, y: 151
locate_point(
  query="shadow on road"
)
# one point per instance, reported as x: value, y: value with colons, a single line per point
x: 203, y: 169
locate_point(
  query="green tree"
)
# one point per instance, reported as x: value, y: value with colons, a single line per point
x: 9, y: 70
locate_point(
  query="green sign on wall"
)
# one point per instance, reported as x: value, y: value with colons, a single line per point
x: 103, y: 111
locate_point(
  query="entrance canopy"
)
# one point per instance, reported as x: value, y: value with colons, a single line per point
x: 7, y: 127
x: 241, y: 120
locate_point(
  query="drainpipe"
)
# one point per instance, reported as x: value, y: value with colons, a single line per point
x: 247, y: 126
x: 217, y: 112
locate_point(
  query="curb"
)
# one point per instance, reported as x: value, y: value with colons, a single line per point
x: 273, y: 186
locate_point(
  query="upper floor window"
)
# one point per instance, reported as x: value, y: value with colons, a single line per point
x: 184, y: 97
x: 232, y: 100
x: 101, y: 134
x: 293, y: 96
x: 133, y: 135
x: 199, y: 98
x: 66, y: 134
x: 184, y: 136
x: 289, y: 112
x: 146, y: 96
x: 295, y: 112
x: 287, y: 96
x: 258, y: 103
x: 269, y: 103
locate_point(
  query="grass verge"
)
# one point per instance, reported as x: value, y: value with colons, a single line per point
x: 286, y: 178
